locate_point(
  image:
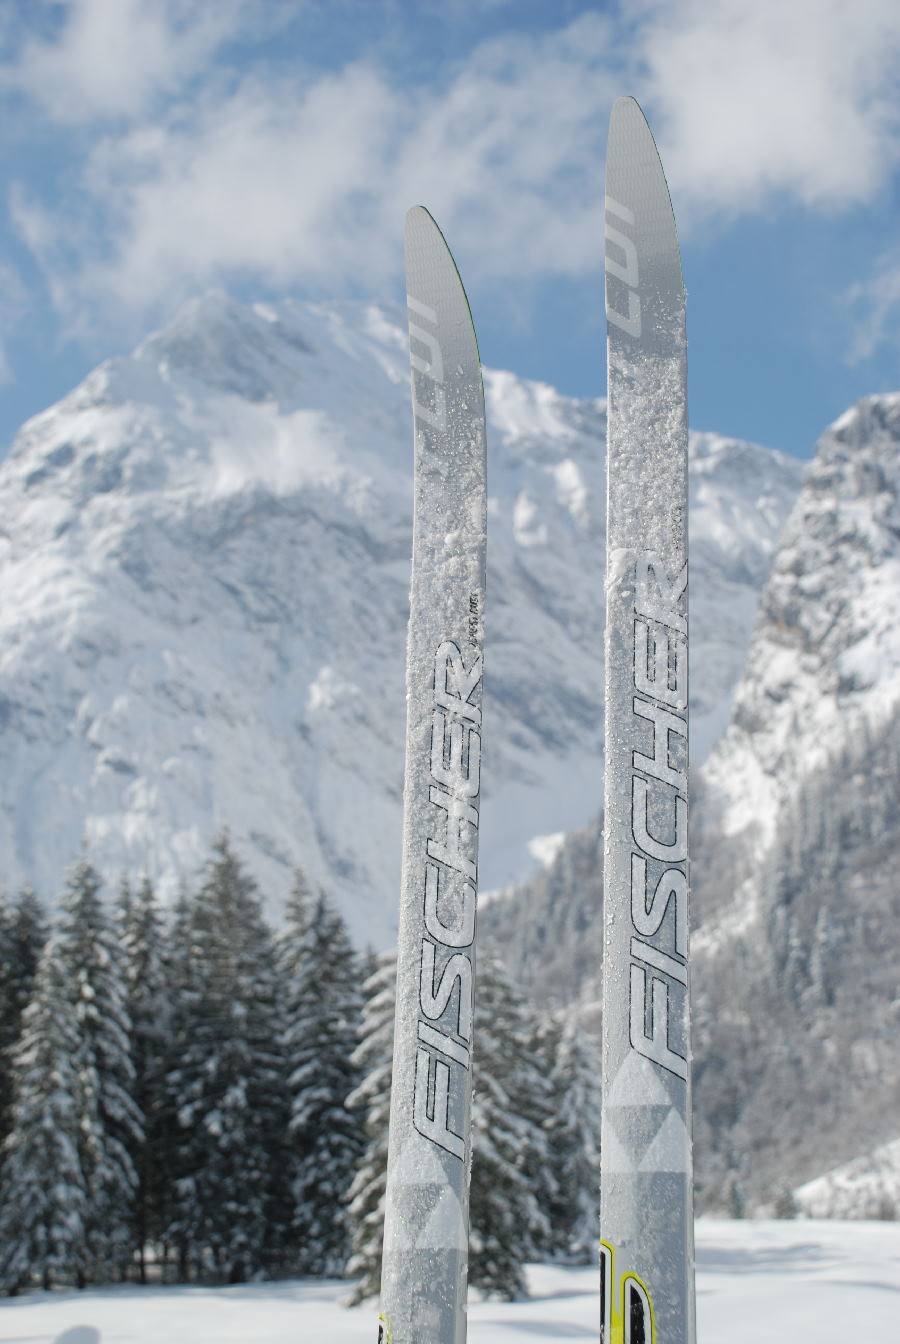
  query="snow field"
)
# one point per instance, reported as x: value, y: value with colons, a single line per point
x: 808, y: 1281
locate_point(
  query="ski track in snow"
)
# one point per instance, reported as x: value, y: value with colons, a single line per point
x: 826, y: 1282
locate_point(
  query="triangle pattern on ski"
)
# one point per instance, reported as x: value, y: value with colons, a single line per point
x: 637, y: 1084
x: 636, y: 1128
x: 670, y: 1150
x: 615, y: 1155
x: 446, y: 1227
x: 418, y: 1164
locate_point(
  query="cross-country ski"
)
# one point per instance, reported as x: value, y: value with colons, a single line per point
x: 646, y: 1210
x: 424, y: 1279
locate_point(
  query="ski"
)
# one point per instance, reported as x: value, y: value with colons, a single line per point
x: 426, y: 1229
x: 646, y: 1203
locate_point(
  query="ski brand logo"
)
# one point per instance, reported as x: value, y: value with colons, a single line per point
x: 659, y: 815
x: 450, y: 876
x: 626, y: 270
x: 626, y: 1309
x: 430, y: 369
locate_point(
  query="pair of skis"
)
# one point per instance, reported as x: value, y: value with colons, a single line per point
x: 646, y: 1256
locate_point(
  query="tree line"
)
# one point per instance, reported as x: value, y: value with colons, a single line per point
x: 193, y: 1096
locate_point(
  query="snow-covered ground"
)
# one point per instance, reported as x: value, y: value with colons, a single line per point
x: 826, y: 1282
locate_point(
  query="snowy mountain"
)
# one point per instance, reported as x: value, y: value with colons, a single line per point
x: 203, y: 588
x: 795, y: 830
x: 798, y: 822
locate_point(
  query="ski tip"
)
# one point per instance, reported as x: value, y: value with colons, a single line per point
x: 630, y: 137
x: 627, y: 114
x: 629, y: 127
x: 627, y: 103
x: 417, y: 211
x: 420, y: 223
x: 423, y: 231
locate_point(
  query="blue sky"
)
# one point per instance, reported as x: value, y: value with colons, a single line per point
x: 155, y: 148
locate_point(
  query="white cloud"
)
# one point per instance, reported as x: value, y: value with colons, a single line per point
x: 268, y: 181
x: 875, y: 303
x: 510, y: 157
x: 761, y: 97
x: 298, y: 184
x: 112, y: 58
x: 292, y: 181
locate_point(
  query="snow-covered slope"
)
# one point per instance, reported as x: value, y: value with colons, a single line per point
x: 203, y: 586
x: 867, y: 1187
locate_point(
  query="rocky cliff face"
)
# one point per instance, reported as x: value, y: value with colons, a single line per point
x: 825, y: 658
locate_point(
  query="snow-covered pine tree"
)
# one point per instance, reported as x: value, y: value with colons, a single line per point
x: 573, y: 1131
x: 44, y: 1210
x: 23, y: 933
x: 319, y: 978
x: 372, y: 1098
x: 226, y: 1080
x: 110, y: 1121
x: 537, y: 1104
x: 175, y: 1151
x: 506, y: 1220
x: 142, y: 940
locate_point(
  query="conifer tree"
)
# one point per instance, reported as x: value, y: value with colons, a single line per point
x: 23, y: 933
x: 68, y: 1178
x: 44, y: 1211
x: 373, y: 1058
x: 226, y: 1080
x: 537, y: 1101
x: 319, y: 978
x: 110, y: 1121
x: 175, y: 1154
x: 506, y: 1221
x: 573, y: 1131
x: 142, y: 942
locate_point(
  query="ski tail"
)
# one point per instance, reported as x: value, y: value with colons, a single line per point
x: 646, y: 1206
x: 424, y: 1267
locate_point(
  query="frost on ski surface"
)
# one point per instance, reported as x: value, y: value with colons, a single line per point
x: 825, y: 1283
x: 198, y: 532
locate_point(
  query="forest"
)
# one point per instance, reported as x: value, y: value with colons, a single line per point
x: 193, y: 1096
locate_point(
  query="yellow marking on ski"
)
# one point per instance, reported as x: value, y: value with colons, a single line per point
x: 618, y: 1301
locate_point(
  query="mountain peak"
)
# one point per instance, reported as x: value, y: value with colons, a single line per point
x: 203, y: 601
x: 228, y: 347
